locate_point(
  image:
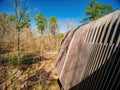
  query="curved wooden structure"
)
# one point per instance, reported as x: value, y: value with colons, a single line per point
x: 89, y: 57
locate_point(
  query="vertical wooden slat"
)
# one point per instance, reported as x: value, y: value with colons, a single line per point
x: 117, y: 75
x: 96, y: 78
x: 104, y: 67
x: 101, y: 72
x: 93, y: 66
x: 110, y: 27
x: 91, y: 60
x: 114, y: 63
x: 94, y: 48
x: 115, y: 30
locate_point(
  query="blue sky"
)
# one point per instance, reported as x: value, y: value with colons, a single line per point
x: 62, y: 9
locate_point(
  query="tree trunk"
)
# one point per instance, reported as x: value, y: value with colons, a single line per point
x: 5, y: 74
x: 55, y: 38
x: 18, y: 45
x: 4, y: 30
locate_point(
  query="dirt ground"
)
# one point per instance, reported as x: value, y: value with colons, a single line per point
x: 38, y: 76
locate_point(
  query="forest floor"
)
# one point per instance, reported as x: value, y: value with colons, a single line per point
x: 39, y: 76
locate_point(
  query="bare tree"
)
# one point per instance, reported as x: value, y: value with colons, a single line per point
x: 22, y: 18
x: 54, y: 27
x: 70, y: 24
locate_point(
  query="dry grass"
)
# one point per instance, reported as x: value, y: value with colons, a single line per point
x: 39, y: 75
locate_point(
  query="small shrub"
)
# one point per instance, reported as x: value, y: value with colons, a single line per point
x: 27, y: 59
x: 13, y: 61
x: 60, y: 36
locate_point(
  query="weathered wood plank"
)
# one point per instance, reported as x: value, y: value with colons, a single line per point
x: 89, y: 54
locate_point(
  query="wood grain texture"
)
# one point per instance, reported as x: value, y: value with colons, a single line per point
x: 89, y: 54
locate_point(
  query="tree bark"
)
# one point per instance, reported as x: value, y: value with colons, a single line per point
x: 18, y: 45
